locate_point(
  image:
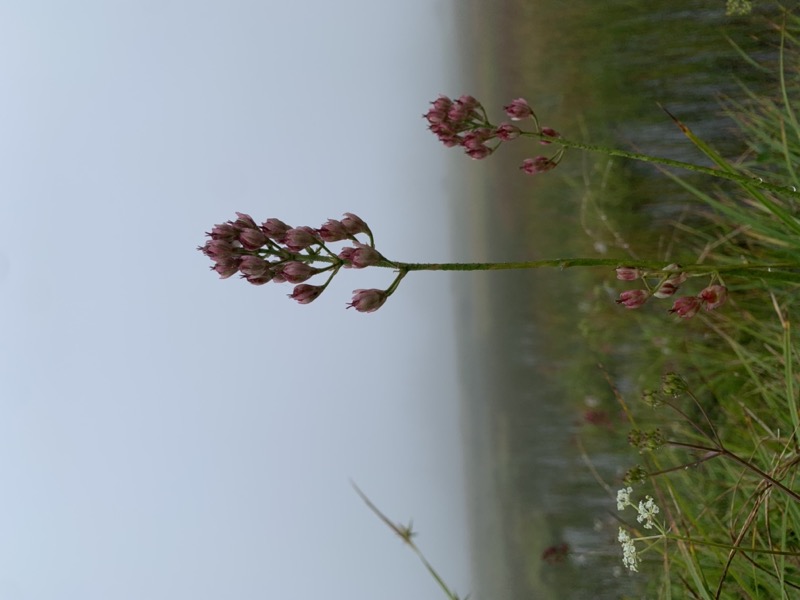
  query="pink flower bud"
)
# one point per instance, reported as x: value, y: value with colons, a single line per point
x: 666, y: 290
x: 478, y: 152
x: 305, y: 293
x: 548, y: 132
x: 714, y: 296
x: 539, y: 164
x: 226, y: 269
x: 300, y: 238
x: 244, y: 221
x: 354, y: 225
x: 507, y: 132
x: 628, y: 273
x: 670, y: 286
x: 518, y: 109
x: 275, y: 229
x: 686, y: 306
x: 435, y: 116
x: 442, y: 103
x: 296, y: 271
x: 252, y: 239
x: 253, y: 266
x: 633, y: 298
x: 259, y: 280
x: 368, y: 300
x: 218, y: 250
x: 361, y: 256
x: 225, y: 231
x: 333, y: 231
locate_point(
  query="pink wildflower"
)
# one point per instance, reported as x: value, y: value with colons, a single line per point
x: 548, y: 132
x: 507, y: 132
x: 633, y: 298
x: 714, y: 296
x: 252, y: 239
x: 686, y: 306
x: 359, y: 257
x: 305, y: 293
x: 539, y: 164
x: 226, y: 268
x: 297, y: 272
x: 244, y: 221
x: 333, y: 231
x: 628, y: 273
x: 253, y: 266
x: 354, y: 224
x: 478, y: 151
x: 518, y: 109
x: 275, y: 229
x: 368, y: 300
x: 300, y: 238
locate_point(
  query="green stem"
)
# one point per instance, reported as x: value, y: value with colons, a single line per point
x: 668, y: 162
x: 564, y: 263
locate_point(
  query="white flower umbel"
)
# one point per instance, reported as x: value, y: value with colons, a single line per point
x: 629, y: 558
x: 624, y: 498
x: 647, y: 510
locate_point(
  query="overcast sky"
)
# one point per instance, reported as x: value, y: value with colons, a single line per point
x: 165, y: 434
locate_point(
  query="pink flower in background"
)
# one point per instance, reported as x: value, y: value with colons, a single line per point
x: 539, y: 164
x: 507, y: 132
x: 628, y: 273
x: 686, y: 306
x: 518, y: 109
x: 633, y: 298
x: 714, y: 296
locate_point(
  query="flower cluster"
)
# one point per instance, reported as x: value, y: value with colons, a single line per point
x: 646, y: 510
x: 646, y: 440
x: 276, y: 252
x: 629, y: 557
x: 669, y: 281
x: 463, y: 123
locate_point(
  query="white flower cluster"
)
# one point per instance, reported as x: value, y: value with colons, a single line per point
x: 624, y: 498
x: 647, y: 511
x: 629, y: 557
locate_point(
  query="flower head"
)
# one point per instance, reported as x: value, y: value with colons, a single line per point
x: 647, y: 510
x: 629, y: 557
x: 538, y: 164
x: 518, y: 109
x: 714, y: 296
x: 686, y: 306
x: 305, y: 293
x: 624, y: 498
x: 633, y: 298
x: 628, y: 273
x: 368, y: 300
x: 354, y: 224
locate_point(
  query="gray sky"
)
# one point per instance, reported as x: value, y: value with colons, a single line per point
x: 165, y: 434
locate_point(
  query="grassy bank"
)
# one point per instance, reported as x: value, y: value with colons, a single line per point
x: 719, y: 440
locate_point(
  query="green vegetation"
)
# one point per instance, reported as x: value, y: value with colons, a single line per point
x: 711, y: 506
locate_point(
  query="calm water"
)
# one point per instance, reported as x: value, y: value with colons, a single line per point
x: 593, y: 71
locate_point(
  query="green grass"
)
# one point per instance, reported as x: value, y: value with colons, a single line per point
x: 725, y: 470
